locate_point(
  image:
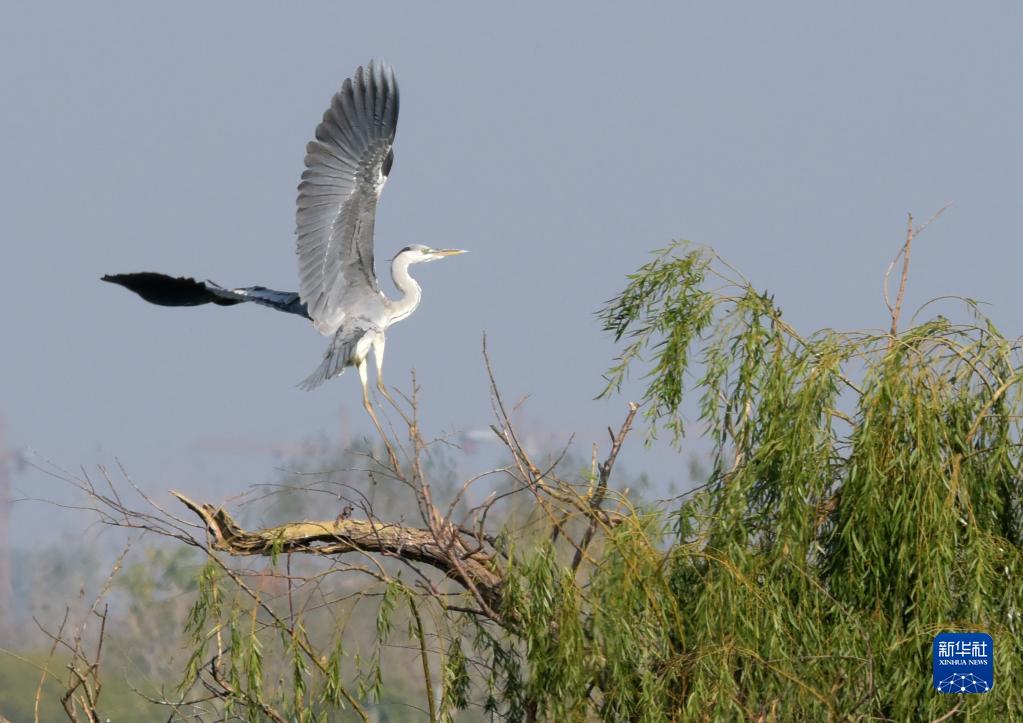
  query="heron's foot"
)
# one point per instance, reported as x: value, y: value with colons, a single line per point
x: 383, y: 390
x: 372, y: 415
x: 380, y: 430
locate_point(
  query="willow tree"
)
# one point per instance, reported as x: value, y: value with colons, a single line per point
x: 863, y: 495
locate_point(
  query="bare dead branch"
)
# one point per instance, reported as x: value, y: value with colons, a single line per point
x: 337, y: 537
x: 597, y: 498
x: 911, y: 233
x: 49, y: 659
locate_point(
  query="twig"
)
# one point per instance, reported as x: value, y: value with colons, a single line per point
x: 427, y: 679
x: 952, y: 711
x: 911, y: 233
x: 605, y: 474
x: 49, y: 658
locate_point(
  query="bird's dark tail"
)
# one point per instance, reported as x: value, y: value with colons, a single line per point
x: 184, y: 291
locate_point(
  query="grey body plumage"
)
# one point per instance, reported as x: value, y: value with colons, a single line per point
x: 346, y: 166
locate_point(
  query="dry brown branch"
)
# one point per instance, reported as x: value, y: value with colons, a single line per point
x: 896, y: 309
x: 911, y: 233
x: 337, y: 537
x: 46, y: 666
x: 84, y: 674
x: 953, y: 711
x: 597, y: 498
x: 227, y: 690
x: 82, y: 689
x: 540, y: 483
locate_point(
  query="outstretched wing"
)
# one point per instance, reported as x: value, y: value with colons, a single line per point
x: 346, y: 167
x: 173, y: 290
x: 185, y: 291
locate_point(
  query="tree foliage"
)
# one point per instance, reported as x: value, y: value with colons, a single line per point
x: 811, y: 572
x: 863, y: 495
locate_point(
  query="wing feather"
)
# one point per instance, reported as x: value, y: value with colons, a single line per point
x: 345, y: 166
x: 185, y: 291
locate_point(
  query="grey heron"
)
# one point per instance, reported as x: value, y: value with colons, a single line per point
x: 346, y: 166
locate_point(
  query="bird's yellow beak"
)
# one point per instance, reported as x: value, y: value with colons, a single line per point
x: 449, y: 252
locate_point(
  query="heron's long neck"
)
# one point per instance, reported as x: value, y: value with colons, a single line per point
x: 411, y: 293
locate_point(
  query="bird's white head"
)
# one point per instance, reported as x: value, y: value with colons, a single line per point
x: 419, y: 254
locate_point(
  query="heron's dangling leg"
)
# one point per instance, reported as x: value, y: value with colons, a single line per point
x: 361, y: 366
x: 378, y: 355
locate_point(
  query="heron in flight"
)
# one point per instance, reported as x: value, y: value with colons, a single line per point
x: 346, y: 166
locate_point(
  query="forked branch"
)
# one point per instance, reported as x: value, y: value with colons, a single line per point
x: 895, y: 310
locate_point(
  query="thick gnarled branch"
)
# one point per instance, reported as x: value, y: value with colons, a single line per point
x: 469, y: 567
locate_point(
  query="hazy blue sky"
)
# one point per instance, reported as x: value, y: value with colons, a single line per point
x: 559, y: 142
